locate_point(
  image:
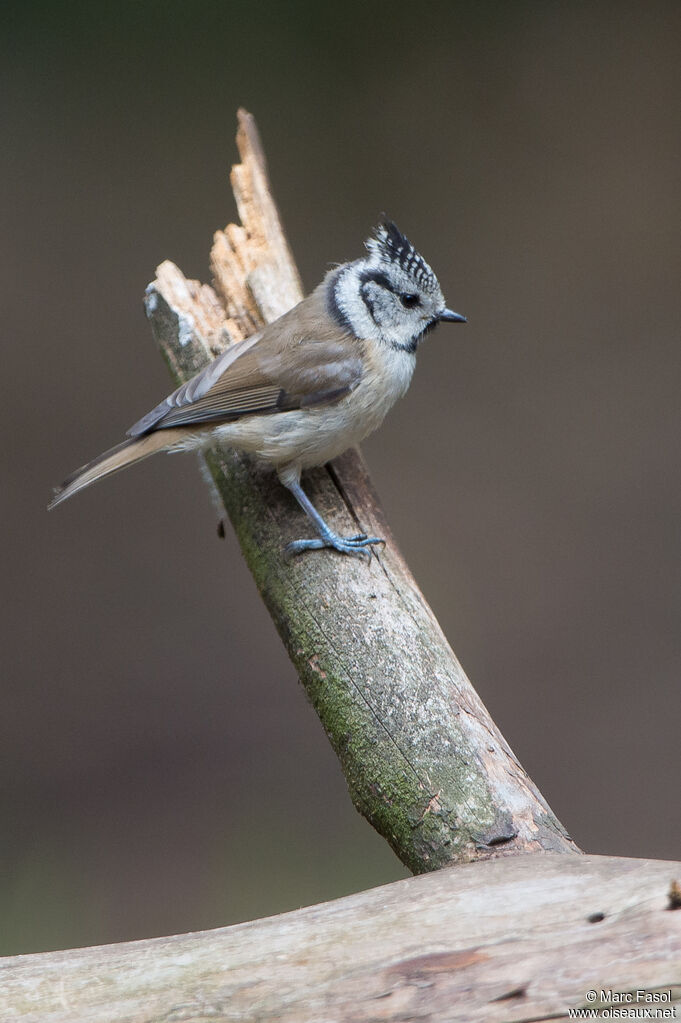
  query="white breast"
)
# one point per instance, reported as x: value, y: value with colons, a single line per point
x: 313, y: 436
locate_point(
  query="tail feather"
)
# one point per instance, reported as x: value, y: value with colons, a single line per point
x: 127, y: 453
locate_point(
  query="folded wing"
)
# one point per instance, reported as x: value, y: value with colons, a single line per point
x: 267, y: 373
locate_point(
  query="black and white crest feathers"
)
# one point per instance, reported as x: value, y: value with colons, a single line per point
x: 389, y: 246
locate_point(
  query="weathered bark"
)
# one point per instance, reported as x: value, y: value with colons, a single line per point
x: 521, y: 939
x: 424, y: 761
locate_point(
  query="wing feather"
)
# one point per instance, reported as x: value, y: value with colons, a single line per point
x: 193, y: 389
x: 292, y: 364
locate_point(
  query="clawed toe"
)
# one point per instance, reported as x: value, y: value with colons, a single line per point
x: 358, y: 544
x: 298, y: 546
x: 361, y: 540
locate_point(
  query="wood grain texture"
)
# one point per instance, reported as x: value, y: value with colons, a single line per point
x: 518, y: 939
x: 424, y: 761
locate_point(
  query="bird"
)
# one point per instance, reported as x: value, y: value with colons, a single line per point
x: 307, y: 387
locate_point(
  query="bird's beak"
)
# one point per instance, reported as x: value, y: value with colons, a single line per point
x: 451, y: 317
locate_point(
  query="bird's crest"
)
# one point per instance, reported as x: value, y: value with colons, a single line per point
x: 389, y: 246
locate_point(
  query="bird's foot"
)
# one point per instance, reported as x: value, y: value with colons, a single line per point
x: 359, y: 544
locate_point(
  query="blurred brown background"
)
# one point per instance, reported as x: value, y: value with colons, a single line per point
x: 161, y: 770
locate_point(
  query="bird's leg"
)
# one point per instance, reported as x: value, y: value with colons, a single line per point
x: 327, y: 538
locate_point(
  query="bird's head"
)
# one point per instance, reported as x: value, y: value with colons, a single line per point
x: 391, y: 295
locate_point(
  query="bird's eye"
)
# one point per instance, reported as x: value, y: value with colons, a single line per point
x: 409, y: 301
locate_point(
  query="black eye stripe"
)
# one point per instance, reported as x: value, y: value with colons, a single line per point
x: 408, y: 299
x: 378, y: 277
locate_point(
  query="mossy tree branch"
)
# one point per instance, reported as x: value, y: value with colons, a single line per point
x: 424, y: 761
